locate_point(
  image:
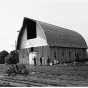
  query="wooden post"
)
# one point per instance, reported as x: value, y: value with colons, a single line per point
x: 28, y: 55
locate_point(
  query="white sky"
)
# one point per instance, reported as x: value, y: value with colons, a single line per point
x: 71, y: 14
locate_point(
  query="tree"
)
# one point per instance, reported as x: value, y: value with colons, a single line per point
x: 3, y: 54
x: 12, y: 58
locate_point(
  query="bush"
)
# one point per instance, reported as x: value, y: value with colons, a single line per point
x: 22, y: 69
x: 12, y: 58
x: 17, y: 69
x: 11, y: 70
x: 3, y: 54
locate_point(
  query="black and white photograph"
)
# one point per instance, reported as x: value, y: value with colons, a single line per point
x: 43, y: 43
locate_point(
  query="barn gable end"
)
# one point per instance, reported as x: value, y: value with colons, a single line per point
x: 33, y: 38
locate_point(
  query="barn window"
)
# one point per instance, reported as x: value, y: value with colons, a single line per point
x: 31, y: 29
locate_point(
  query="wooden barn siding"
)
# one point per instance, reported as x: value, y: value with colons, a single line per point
x: 62, y: 54
x: 23, y: 56
x: 67, y: 54
x: 43, y: 51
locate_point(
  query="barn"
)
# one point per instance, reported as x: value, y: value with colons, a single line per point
x: 39, y: 41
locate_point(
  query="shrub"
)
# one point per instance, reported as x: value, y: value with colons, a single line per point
x: 17, y: 69
x: 11, y: 70
x: 12, y: 58
x: 22, y: 69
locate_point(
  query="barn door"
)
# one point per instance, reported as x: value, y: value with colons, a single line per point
x: 32, y: 56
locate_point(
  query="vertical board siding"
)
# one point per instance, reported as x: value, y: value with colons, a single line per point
x: 62, y: 54
x: 23, y: 56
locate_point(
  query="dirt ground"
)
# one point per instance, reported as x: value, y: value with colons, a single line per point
x: 57, y: 75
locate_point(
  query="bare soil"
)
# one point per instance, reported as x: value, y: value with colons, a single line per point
x: 57, y: 75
